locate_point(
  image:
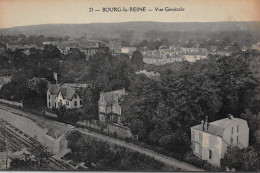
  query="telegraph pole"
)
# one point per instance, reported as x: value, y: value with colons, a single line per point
x: 6, y: 148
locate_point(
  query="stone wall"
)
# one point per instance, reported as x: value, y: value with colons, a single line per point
x: 54, y: 145
x: 11, y: 103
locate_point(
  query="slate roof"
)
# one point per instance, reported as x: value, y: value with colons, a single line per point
x: 67, y: 92
x: 54, y: 89
x: 217, y: 127
x: 111, y: 96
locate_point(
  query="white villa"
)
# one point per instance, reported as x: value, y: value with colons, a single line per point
x: 210, y: 140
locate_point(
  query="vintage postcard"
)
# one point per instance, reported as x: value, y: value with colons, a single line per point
x: 137, y: 85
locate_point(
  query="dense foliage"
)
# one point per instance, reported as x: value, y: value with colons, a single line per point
x: 246, y: 159
x: 37, y: 160
x: 98, y: 155
x: 161, y: 111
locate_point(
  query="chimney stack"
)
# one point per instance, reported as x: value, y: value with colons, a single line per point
x: 202, y: 124
x: 55, y: 75
x: 206, y: 124
x: 230, y: 116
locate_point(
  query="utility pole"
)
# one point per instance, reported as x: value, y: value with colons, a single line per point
x: 6, y: 148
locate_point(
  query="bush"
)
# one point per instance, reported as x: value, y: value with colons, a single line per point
x: 245, y: 159
x: 196, y: 161
x: 99, y: 155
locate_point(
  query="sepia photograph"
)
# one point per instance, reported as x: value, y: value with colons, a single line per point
x: 137, y: 85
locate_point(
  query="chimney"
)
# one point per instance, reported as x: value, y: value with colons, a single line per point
x: 202, y: 124
x: 230, y: 116
x: 206, y: 124
x: 55, y: 75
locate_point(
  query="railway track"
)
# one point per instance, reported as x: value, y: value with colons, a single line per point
x: 17, y: 140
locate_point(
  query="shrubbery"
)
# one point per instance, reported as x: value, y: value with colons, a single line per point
x: 108, y: 157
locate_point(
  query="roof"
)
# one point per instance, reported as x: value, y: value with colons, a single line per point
x: 112, y: 95
x: 66, y: 92
x: 76, y: 85
x: 217, y: 127
x: 212, y: 129
x: 54, y: 89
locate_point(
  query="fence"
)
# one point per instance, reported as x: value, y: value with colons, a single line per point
x: 11, y: 103
x: 121, y: 131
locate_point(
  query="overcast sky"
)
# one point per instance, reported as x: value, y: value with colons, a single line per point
x: 32, y: 12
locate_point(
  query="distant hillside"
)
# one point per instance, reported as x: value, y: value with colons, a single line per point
x: 108, y: 29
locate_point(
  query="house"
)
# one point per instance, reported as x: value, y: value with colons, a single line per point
x: 151, y: 74
x: 210, y: 140
x: 58, y: 95
x: 115, y: 45
x: 91, y: 51
x: 5, y: 80
x: 256, y: 46
x: 14, y: 47
x: 193, y: 57
x: 164, y: 56
x: 109, y: 109
x: 128, y: 50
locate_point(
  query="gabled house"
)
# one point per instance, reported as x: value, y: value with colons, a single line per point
x: 109, y: 108
x: 210, y: 140
x: 58, y: 95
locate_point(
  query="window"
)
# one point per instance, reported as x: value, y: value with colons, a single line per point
x: 75, y: 103
x: 196, y: 148
x: 231, y: 141
x: 232, y: 130
x: 49, y: 96
x: 237, y: 139
x: 197, y: 136
x: 49, y: 104
x: 210, y: 154
x: 75, y: 96
x: 67, y: 103
x: 237, y: 129
x: 55, y: 105
x: 80, y: 102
